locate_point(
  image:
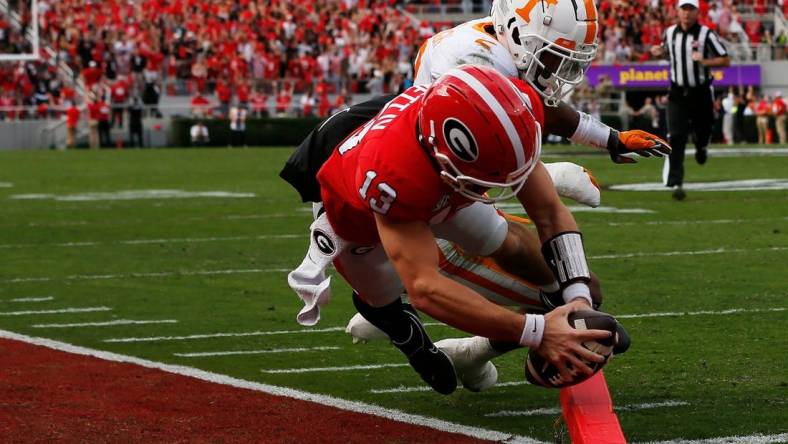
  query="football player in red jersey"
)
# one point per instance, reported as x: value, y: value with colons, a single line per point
x: 429, y: 165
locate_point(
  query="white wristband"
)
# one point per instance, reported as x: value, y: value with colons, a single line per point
x: 533, y: 331
x: 590, y: 132
x: 577, y: 290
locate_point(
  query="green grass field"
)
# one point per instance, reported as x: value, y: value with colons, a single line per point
x: 214, y: 264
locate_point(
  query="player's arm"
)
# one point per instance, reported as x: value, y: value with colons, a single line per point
x: 410, y: 245
x: 411, y: 248
x: 579, y: 127
x: 562, y: 242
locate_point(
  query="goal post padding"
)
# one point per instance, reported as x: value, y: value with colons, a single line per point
x: 588, y: 413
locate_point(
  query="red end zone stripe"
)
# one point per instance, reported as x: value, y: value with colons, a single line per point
x: 117, y: 398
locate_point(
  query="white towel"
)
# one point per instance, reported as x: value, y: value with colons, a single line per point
x: 309, y: 280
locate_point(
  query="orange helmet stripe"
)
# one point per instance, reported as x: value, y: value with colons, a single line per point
x: 591, y: 28
x: 566, y: 43
x: 590, y: 9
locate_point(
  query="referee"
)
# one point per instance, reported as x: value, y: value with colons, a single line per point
x: 692, y: 49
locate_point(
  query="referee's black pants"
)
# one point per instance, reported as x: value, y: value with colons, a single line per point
x: 689, y: 110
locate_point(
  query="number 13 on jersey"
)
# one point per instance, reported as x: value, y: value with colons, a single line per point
x: 385, y: 194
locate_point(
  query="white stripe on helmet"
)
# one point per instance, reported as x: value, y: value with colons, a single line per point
x: 496, y: 108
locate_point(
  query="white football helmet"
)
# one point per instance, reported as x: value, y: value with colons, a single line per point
x: 553, y: 42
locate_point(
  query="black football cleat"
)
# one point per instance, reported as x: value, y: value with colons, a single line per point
x: 679, y: 193
x: 401, y: 323
x: 701, y: 154
x: 622, y: 340
x: 431, y: 363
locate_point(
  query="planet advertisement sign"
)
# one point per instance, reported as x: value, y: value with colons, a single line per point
x: 658, y: 76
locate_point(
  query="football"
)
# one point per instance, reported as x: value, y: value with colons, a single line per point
x: 540, y: 372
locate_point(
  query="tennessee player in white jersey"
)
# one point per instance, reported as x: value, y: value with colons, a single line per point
x: 472, y: 42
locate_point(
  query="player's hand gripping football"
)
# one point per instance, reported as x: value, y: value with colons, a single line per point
x: 562, y: 344
x: 637, y: 142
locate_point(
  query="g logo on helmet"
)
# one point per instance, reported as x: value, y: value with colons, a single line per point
x: 324, y: 243
x: 460, y: 140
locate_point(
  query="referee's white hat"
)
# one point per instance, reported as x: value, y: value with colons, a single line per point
x: 693, y: 3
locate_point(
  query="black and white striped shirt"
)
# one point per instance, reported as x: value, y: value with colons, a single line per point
x: 680, y: 44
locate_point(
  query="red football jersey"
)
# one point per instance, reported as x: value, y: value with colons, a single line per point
x: 381, y: 167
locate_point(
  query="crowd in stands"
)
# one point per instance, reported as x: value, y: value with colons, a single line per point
x: 254, y: 52
x: 627, y: 28
x: 273, y: 57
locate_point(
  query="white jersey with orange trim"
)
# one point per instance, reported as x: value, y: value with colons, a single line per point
x: 471, y: 42
x: 487, y: 278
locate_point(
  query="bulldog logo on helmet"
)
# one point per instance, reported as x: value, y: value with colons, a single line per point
x: 460, y: 140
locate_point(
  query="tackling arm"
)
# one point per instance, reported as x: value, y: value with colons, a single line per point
x: 543, y: 205
x: 579, y: 127
x: 562, y: 243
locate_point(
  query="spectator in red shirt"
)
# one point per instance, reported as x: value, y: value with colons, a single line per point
x: 283, y: 101
x: 201, y: 107
x: 242, y: 92
x: 779, y: 109
x: 119, y: 95
x: 307, y: 104
x: 72, y: 121
x: 259, y: 103
x: 324, y: 106
x: 224, y: 94
x: 91, y: 75
x: 94, y: 115
x: 762, y: 111
x: 7, y: 101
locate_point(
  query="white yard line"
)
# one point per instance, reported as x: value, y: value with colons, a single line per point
x: 727, y: 185
x: 58, y: 311
x: 713, y: 152
x: 698, y: 313
x: 264, y: 216
x: 33, y: 299
x: 225, y: 335
x: 691, y: 222
x: 346, y: 368
x: 107, y: 323
x: 79, y: 277
x: 255, y: 352
x: 517, y: 208
x: 131, y: 195
x: 287, y: 270
x: 556, y: 411
x: 424, y: 388
x: 686, y: 253
x: 750, y: 439
x: 158, y: 241
x: 330, y: 401
x: 427, y: 324
x: 6, y: 185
